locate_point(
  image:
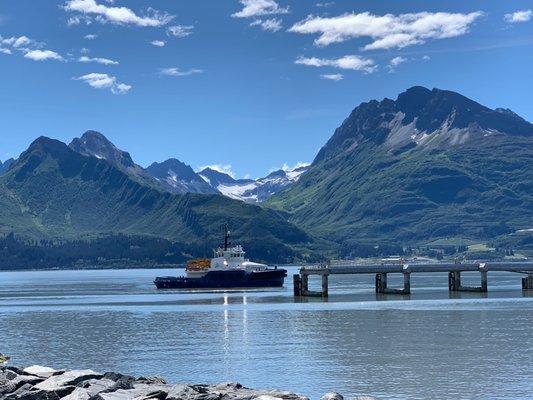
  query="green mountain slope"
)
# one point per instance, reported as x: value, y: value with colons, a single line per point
x: 53, y: 192
x: 429, y: 165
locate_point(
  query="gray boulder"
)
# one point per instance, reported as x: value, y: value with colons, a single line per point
x: 332, y: 396
x: 56, y: 382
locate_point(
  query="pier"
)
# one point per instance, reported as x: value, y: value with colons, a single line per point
x: 382, y: 271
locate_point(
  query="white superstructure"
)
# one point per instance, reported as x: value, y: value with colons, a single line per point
x: 227, y: 258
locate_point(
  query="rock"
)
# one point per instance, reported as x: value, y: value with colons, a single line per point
x: 74, y: 377
x: 121, y: 381
x: 90, y: 388
x: 332, y: 396
x: 37, y: 370
x: 42, y: 383
x: 133, y: 394
x: 6, y: 385
x: 55, y: 394
x: 78, y: 394
x: 17, y: 393
x: 151, y: 379
x: 267, y: 397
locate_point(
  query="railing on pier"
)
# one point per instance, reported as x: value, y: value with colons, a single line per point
x: 301, y: 280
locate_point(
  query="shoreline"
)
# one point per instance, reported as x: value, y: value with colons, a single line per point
x: 40, y: 383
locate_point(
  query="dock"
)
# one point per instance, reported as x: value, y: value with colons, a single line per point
x: 382, y: 271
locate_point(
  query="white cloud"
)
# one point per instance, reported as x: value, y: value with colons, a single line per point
x: 355, y: 63
x: 426, y: 58
x: 325, y: 4
x: 98, y: 60
x: 271, y: 24
x: 259, y: 8
x: 104, y: 81
x: 158, y: 43
x: 333, y: 77
x: 18, y: 42
x: 518, y: 16
x: 90, y: 37
x: 116, y: 15
x: 42, y: 55
x: 223, y: 168
x: 176, y: 71
x: 180, y: 31
x: 386, y: 31
x: 299, y: 164
x: 395, y: 62
x: 31, y: 49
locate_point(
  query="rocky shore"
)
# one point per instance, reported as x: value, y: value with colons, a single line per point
x: 43, y: 383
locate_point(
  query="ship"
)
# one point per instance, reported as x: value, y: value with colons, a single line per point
x: 228, y: 269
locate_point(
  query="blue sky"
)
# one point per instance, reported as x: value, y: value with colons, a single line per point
x: 254, y: 84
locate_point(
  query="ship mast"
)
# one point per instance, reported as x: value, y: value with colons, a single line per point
x: 226, y: 237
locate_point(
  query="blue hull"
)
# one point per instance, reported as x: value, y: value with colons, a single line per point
x: 225, y: 280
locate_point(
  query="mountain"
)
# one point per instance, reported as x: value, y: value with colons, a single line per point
x: 430, y: 164
x: 94, y: 144
x: 53, y: 192
x: 5, y: 165
x: 252, y: 191
x: 217, y: 178
x: 180, y: 178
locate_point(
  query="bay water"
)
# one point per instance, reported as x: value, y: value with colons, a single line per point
x: 428, y: 345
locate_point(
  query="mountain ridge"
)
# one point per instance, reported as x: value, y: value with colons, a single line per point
x: 428, y: 165
x: 54, y: 192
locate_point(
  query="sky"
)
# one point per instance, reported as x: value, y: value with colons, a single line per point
x: 248, y: 86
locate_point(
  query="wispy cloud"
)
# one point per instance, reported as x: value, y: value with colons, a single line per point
x: 117, y: 15
x: 42, y: 55
x: 333, y: 77
x: 104, y: 81
x: 98, y: 60
x: 174, y: 71
x: 393, y: 63
x: 31, y: 49
x: 518, y: 16
x: 259, y: 8
x: 158, y: 43
x: 387, y: 31
x: 352, y: 62
x: 19, y: 42
x: 271, y: 24
x: 325, y: 4
x: 180, y: 31
x: 90, y: 37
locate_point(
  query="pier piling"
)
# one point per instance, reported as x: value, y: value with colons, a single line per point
x: 527, y: 282
x: 297, y: 282
x: 454, y: 282
x: 382, y: 287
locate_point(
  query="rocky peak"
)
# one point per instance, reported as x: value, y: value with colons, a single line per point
x: 419, y: 113
x: 216, y: 178
x: 94, y: 144
x: 5, y: 165
x: 178, y: 177
x: 174, y: 167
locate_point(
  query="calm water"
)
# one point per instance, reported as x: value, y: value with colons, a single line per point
x: 425, y: 346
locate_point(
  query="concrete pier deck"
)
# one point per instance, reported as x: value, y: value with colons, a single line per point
x: 381, y: 271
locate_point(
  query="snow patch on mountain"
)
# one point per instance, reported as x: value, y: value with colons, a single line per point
x: 253, y: 191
